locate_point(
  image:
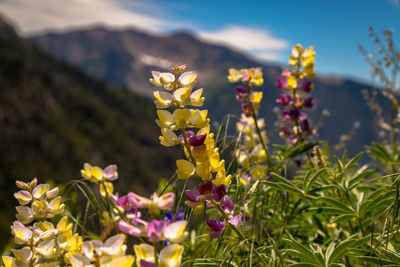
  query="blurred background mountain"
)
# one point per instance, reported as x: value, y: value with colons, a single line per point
x: 84, y: 96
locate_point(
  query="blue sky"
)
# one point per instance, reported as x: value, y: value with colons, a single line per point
x: 264, y: 29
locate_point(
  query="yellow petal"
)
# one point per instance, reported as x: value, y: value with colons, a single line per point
x: 185, y: 169
x: 23, y: 197
x: 182, y: 94
x: 291, y: 83
x: 196, y: 99
x: 163, y: 99
x: 256, y: 97
x: 187, y: 78
x: 168, y: 137
x: 171, y: 256
x: 182, y: 117
x: 106, y: 187
x: 144, y: 252
x: 165, y: 119
x: 175, y: 232
x: 123, y: 261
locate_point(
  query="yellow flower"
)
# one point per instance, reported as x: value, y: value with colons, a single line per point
x: 92, y: 173
x: 21, y: 233
x: 291, y: 83
x: 175, y: 232
x: 106, y: 189
x: 144, y: 252
x: 185, y: 169
x: 235, y: 75
x: 187, y: 78
x: 171, y: 256
x: 169, y: 138
x: 163, y: 99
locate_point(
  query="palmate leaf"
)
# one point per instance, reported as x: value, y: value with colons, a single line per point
x: 285, y: 185
x: 377, y: 261
x: 310, y: 178
x: 300, y: 251
x: 379, y: 153
x: 343, y: 247
x: 302, y: 264
x: 337, y: 204
x: 293, y: 153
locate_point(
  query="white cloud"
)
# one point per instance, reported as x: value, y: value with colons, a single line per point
x: 32, y: 16
x: 257, y: 42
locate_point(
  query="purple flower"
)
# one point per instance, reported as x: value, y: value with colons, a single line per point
x: 216, y: 228
x: 247, y: 109
x: 123, y: 202
x: 241, y: 93
x: 304, y: 125
x: 154, y: 230
x: 308, y: 102
x: 283, y: 100
x: 227, y: 204
x: 144, y: 263
x: 192, y: 195
x: 236, y: 220
x: 110, y: 173
x: 129, y: 229
x: 197, y: 140
x: 205, y: 188
x: 179, y: 216
x: 188, y: 134
x: 219, y: 192
x: 293, y: 139
x: 281, y: 82
x: 290, y: 114
x: 306, y: 86
x: 285, y: 131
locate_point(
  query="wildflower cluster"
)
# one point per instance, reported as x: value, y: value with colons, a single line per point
x: 192, y: 125
x: 43, y: 243
x: 336, y: 213
x: 125, y: 213
x: 252, y: 152
x: 215, y: 196
x: 296, y: 85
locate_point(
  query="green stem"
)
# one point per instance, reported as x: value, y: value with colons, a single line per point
x: 270, y: 163
x: 240, y: 234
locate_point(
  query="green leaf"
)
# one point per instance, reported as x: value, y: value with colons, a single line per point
x: 336, y: 203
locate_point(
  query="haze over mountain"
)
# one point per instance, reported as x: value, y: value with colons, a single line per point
x: 53, y: 118
x: 126, y: 57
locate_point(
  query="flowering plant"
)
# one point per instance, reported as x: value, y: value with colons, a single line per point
x: 261, y: 211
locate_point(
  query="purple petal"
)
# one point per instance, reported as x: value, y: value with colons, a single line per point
x: 144, y: 263
x: 129, y: 229
x: 283, y: 100
x: 241, y: 90
x: 215, y: 234
x: 281, y: 82
x: 227, y: 203
x: 205, y: 188
x: 197, y: 140
x: 110, y: 173
x: 236, y: 220
x: 306, y: 86
x: 154, y: 230
x: 123, y: 201
x: 192, y: 195
x: 308, y: 102
x: 247, y: 109
x: 219, y: 192
x: 215, y: 225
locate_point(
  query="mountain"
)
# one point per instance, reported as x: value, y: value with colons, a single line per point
x: 53, y: 118
x: 126, y: 58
